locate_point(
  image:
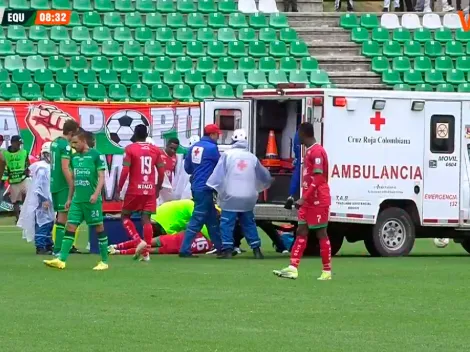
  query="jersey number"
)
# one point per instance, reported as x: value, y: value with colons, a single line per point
x: 145, y: 165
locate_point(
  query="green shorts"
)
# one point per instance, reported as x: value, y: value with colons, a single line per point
x: 59, y: 199
x: 92, y: 214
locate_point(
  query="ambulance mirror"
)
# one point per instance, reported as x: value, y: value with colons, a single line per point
x: 378, y: 105
x: 417, y: 106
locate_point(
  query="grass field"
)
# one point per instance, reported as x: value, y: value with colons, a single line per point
x: 408, y: 304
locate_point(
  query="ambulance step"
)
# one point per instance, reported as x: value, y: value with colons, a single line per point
x: 352, y: 77
x: 364, y: 86
x: 324, y: 34
x: 334, y: 49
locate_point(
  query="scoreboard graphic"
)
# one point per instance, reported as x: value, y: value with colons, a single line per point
x: 35, y: 17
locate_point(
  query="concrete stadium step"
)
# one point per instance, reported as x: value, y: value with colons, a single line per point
x: 304, y: 5
x: 353, y: 77
x: 313, y: 19
x: 328, y: 34
x: 338, y: 49
x: 344, y: 64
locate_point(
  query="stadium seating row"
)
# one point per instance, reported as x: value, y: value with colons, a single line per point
x: 431, y: 48
x: 424, y: 87
x: 421, y: 64
x: 401, y: 35
x: 433, y: 77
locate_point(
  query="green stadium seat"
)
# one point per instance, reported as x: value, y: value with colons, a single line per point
x: 35, y: 62
x: 193, y: 78
x: 226, y: 35
x: 186, y: 6
x: 413, y: 49
x: 444, y: 87
x: 433, y: 49
x: 132, y: 48
x: 38, y: 33
x: 183, y: 64
x: 329, y: 85
x: 165, y: 6
x: 161, y: 92
x: 278, y: 49
x: 53, y: 91
x: 443, y: 64
x: 257, y: 78
x: 13, y: 62
x: 401, y: 35
x: 31, y: 91
x: 145, y: 6
x: 402, y: 87
x: 174, y: 49
x: 401, y: 64
x: 16, y: 32
x: 80, y: 33
x: 25, y: 47
x: 236, y: 77
x: 68, y: 48
x: 348, y: 21
x: 133, y: 20
x: 150, y: 77
x: 172, y: 77
x: 130, y: 77
x: 82, y: 5
x: 205, y: 64
x: 175, y: 20
x: 392, y: 49
x: 139, y: 92
x: 422, y: 35
x: 196, y: 20
x: 19, y: 4
x: 61, y: 4
x: 425, y: 87
x: 101, y: 34
x: 265, y: 86
x: 206, y: 6
x: 462, y: 36
x: 75, y: 92
x: 124, y: 5
x: 258, y: 20
x: 215, y: 77
x: 143, y: 34
x: 299, y: 49
x: 288, y: 64
x: 267, y: 64
x: 164, y: 35
x: 6, y: 47
x: 249, y: 35
x: 153, y: 49
x: 227, y: 6
x: 443, y: 35
x: 319, y: 78
x: 47, y: 47
x: 163, y: 64
x: 9, y: 91
x: 454, y: 49
x: 195, y: 49
x: 422, y: 64
x: 288, y: 35
x: 203, y: 91
x: 434, y: 77
x: 413, y: 77
x: 112, y: 20
x: 236, y: 49
x: 184, y: 35
x: 100, y: 63
x: 91, y: 19
x: 359, y: 35
x: 226, y: 64
x: 182, y: 92
x: 224, y: 91
x: 59, y: 33
x: 391, y: 77
x: 380, y: 35
x: 97, y: 92
x: 298, y: 76
x: 104, y: 5
x: 246, y: 64
x: 43, y: 76
x: 216, y: 20
x: 205, y: 35
x: 65, y: 76
x: 90, y: 48
x: 120, y: 63
x: 21, y: 76
x: 78, y: 63
x: 257, y: 49
x: 464, y: 88
x: 87, y: 77
x: 380, y: 64
x: 122, y: 34
x: 74, y: 19
x: 455, y: 77
x: 40, y: 4
x: 142, y: 64
x: 215, y: 49
x: 241, y: 88
x: 308, y: 64
x: 154, y: 20
x: 468, y: 49
x: 111, y: 48
x: 371, y: 49
x: 463, y: 63
x: 117, y: 92
x: 57, y: 63
x: 276, y: 77
x: 370, y: 21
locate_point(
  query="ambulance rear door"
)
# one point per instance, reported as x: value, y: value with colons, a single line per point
x: 441, y: 190
x: 229, y: 115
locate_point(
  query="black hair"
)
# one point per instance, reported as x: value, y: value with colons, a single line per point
x: 70, y: 126
x: 140, y: 133
x: 173, y: 141
x: 306, y: 128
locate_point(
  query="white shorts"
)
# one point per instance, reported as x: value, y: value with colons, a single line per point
x: 18, y: 190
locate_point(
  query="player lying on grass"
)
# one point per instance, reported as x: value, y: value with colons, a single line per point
x: 88, y: 167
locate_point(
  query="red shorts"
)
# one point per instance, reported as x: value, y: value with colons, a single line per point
x: 314, y: 217
x: 171, y: 244
x: 140, y: 203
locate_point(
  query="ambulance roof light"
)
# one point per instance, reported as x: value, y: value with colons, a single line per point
x: 378, y: 105
x: 417, y: 106
x: 339, y: 101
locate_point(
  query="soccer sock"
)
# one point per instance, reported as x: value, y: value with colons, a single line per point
x: 148, y: 235
x: 128, y: 244
x: 325, y: 253
x: 59, y: 237
x: 130, y: 228
x: 298, y: 250
x: 127, y: 251
x: 103, y: 246
x: 67, y: 244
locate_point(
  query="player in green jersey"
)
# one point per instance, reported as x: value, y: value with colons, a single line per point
x: 88, y: 167
x: 61, y: 179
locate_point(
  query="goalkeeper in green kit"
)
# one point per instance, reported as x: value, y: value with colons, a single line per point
x: 88, y: 167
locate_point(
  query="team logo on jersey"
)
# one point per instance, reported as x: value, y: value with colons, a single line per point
x: 67, y: 148
x: 146, y: 178
x: 317, y: 161
x: 196, y: 154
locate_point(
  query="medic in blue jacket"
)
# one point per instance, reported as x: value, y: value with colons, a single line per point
x: 200, y: 162
x: 295, y: 180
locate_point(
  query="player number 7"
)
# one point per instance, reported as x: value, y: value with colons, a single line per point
x: 318, y: 218
x: 145, y: 165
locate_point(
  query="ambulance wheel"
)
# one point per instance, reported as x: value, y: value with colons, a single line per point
x: 466, y: 244
x: 393, y: 235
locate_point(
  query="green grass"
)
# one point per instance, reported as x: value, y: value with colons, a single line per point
x: 416, y: 303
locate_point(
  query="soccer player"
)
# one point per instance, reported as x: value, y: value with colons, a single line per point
x: 140, y: 161
x: 169, y: 160
x: 88, y: 167
x: 61, y: 179
x: 314, y: 206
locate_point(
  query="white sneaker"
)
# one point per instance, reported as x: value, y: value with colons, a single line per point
x: 212, y: 251
x: 145, y: 258
x: 447, y: 8
x: 237, y: 250
x: 285, y: 251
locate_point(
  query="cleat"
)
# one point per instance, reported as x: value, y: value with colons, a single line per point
x: 140, y: 248
x: 212, y: 251
x: 225, y: 254
x: 236, y: 251
x: 290, y: 272
x: 101, y: 266
x: 112, y: 250
x: 285, y: 252
x: 258, y: 254
x: 144, y: 258
x: 55, y: 263
x: 75, y: 250
x: 325, y: 276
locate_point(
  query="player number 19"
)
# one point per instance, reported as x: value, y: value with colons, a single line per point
x: 145, y: 165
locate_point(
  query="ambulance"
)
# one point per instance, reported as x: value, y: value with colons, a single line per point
x: 399, y: 165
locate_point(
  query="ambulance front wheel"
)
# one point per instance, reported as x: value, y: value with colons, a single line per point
x: 466, y: 244
x: 393, y: 235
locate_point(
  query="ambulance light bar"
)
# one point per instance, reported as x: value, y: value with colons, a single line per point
x: 378, y: 105
x: 417, y: 106
x: 291, y: 85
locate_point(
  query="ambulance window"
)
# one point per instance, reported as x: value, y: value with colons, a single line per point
x: 228, y: 121
x: 442, y: 134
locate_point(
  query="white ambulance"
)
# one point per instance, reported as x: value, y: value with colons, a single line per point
x: 399, y: 165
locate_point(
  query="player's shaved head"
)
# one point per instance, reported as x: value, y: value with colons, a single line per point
x: 70, y: 127
x: 140, y: 133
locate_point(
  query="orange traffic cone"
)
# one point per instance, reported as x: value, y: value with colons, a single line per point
x: 272, y: 157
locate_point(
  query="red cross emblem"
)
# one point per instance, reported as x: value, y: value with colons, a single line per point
x: 377, y: 121
x: 196, y: 151
x: 242, y: 165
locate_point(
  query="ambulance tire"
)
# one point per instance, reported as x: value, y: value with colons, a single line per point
x: 466, y: 244
x: 398, y: 240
